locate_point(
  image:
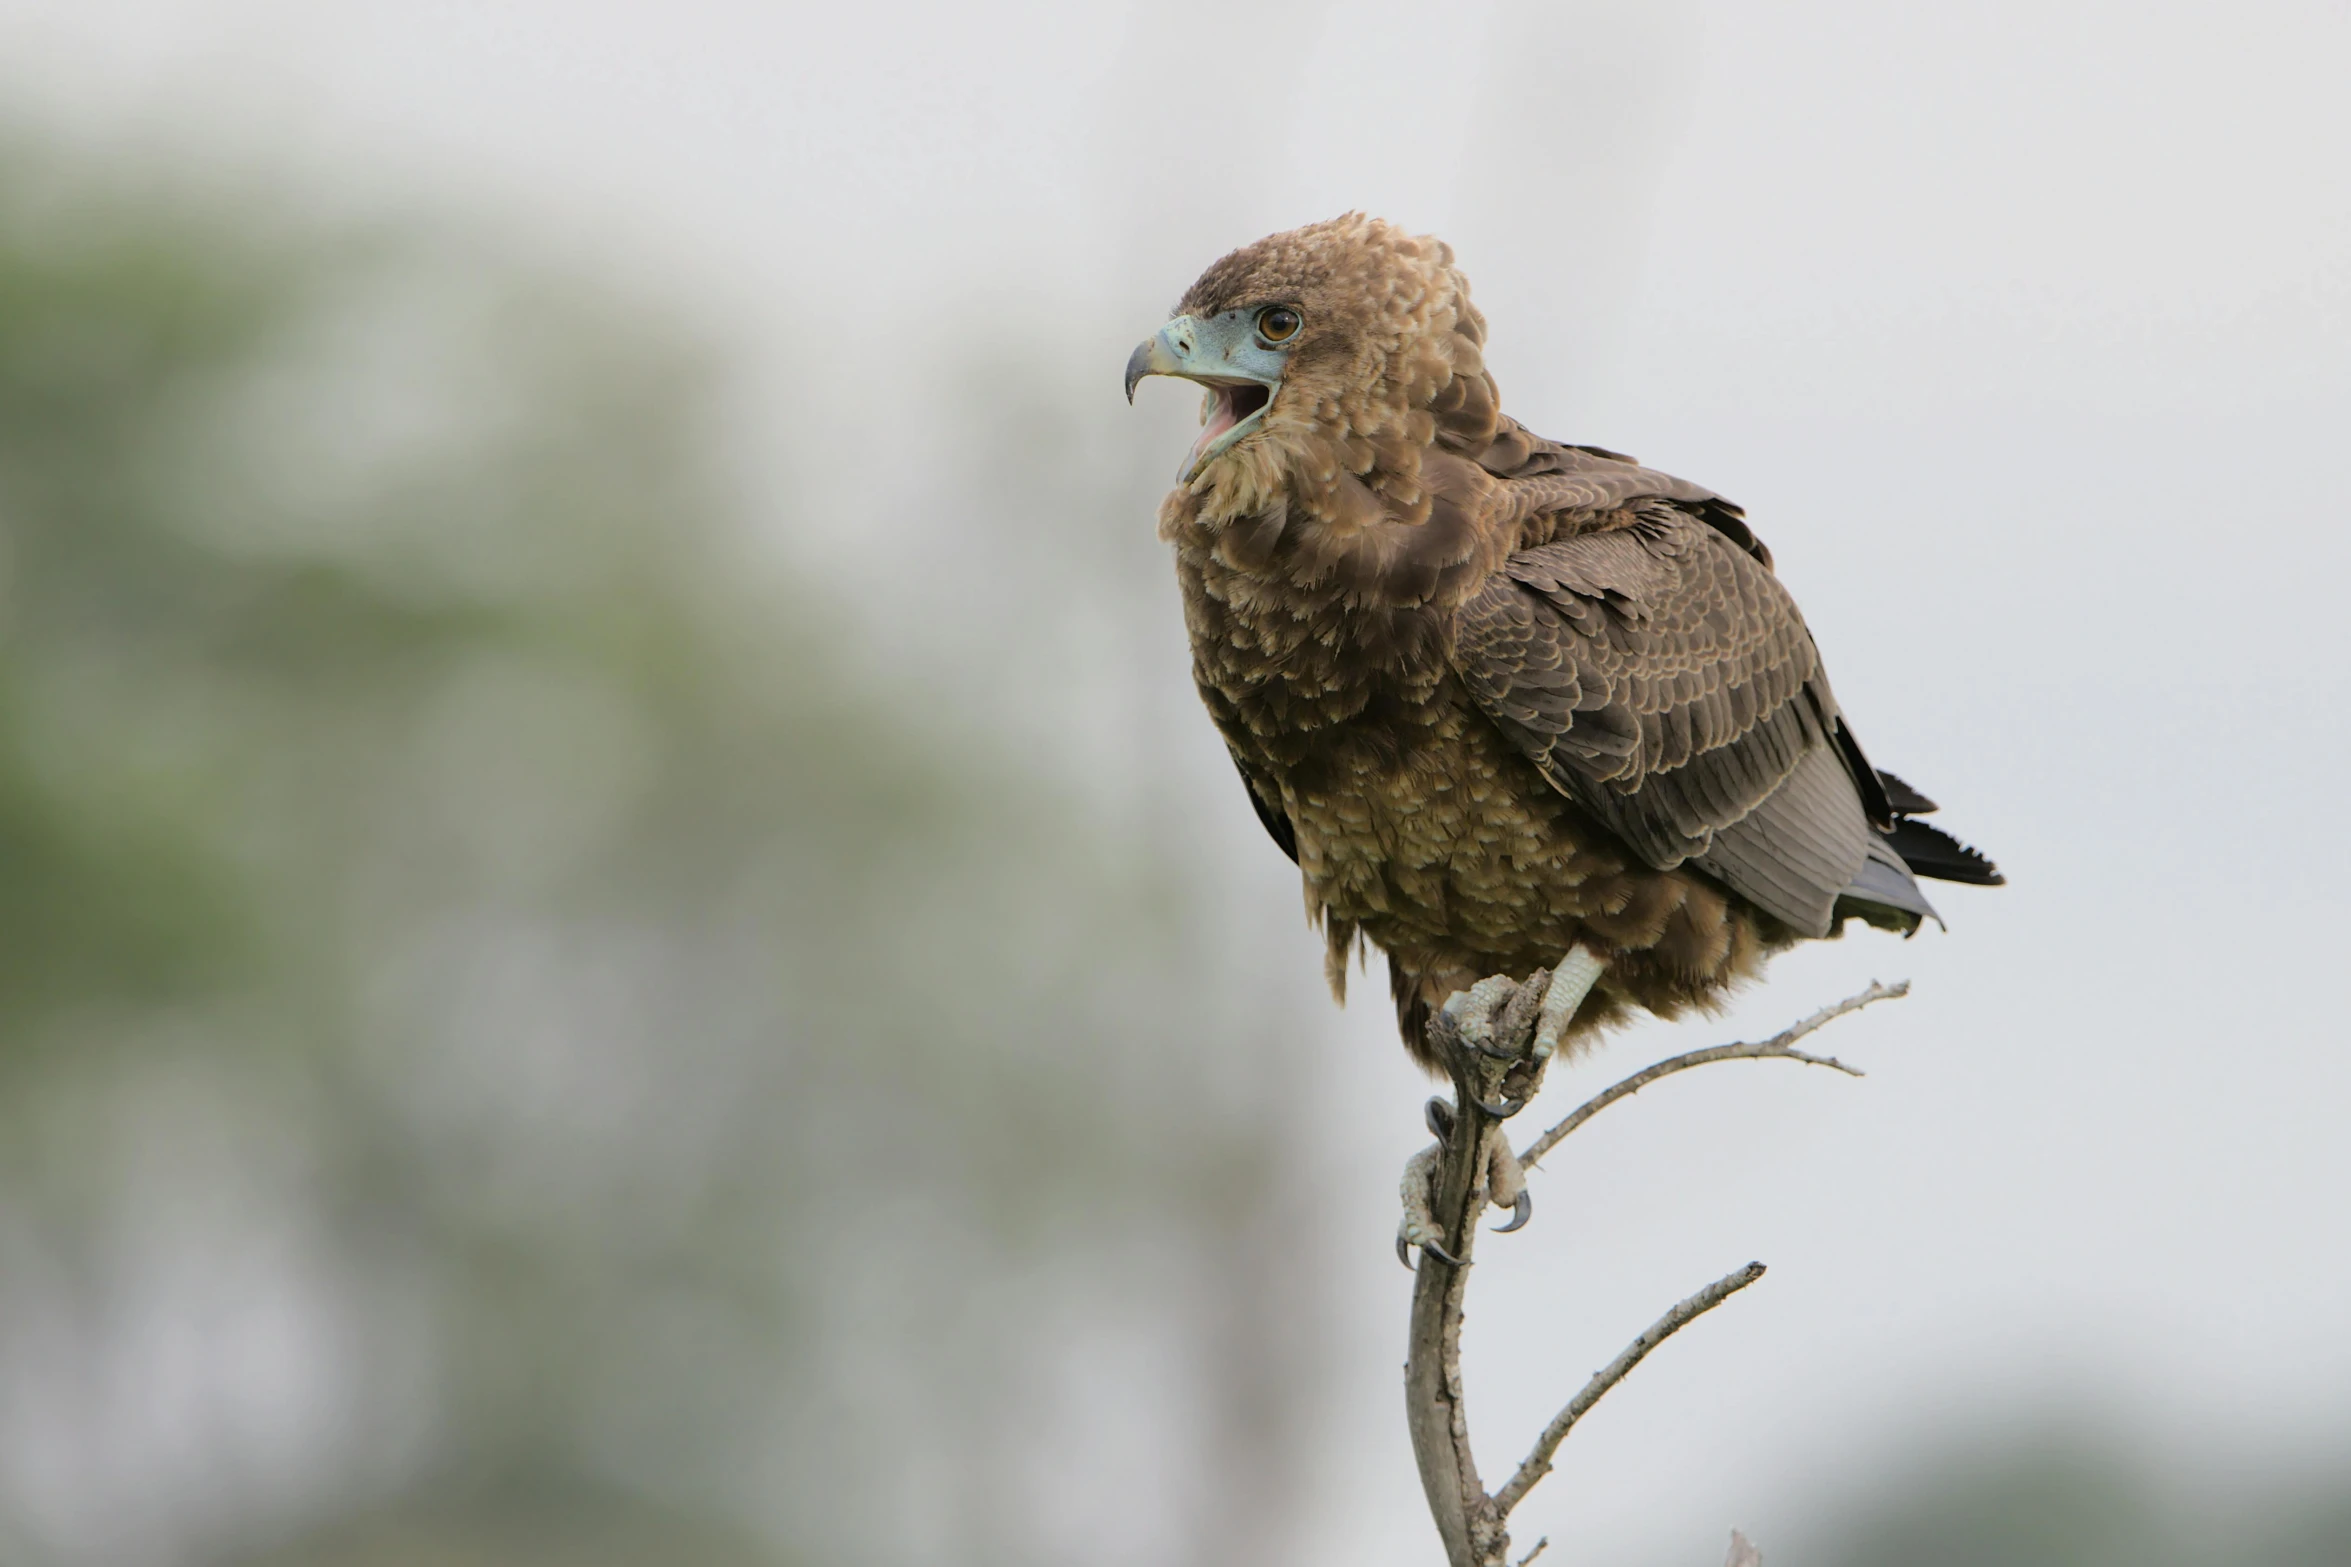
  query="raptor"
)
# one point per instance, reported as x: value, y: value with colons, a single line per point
x: 1510, y: 704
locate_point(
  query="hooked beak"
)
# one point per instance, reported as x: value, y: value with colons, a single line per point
x: 1221, y: 354
x: 1152, y: 356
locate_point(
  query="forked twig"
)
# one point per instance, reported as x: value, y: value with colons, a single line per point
x: 1780, y: 1047
x: 1473, y: 1525
x: 1538, y: 1462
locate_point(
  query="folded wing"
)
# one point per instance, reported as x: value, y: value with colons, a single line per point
x: 1659, y: 676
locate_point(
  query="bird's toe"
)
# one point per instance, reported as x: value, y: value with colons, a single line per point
x: 1420, y: 1230
x: 1506, y: 1181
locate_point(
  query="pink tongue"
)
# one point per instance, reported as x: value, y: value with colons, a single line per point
x: 1220, y: 419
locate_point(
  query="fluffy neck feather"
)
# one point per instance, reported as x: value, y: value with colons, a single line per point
x: 1358, y: 483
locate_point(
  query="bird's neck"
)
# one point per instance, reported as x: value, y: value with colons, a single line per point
x: 1317, y: 610
x: 1411, y: 528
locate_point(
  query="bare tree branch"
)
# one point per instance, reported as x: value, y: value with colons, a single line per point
x: 1538, y: 1462
x: 1487, y: 1044
x: 1780, y: 1047
x: 1433, y: 1399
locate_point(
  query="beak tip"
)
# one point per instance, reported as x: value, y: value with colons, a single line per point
x: 1140, y: 364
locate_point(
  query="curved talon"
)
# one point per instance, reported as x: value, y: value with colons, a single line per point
x: 1494, y: 1052
x: 1502, y: 1111
x: 1442, y: 1255
x: 1404, y: 1253
x: 1520, y: 1211
x: 1439, y: 1115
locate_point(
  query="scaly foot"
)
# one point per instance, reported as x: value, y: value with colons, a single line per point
x: 1505, y: 1183
x: 1570, y: 983
x: 1420, y: 1230
x: 1498, y: 1035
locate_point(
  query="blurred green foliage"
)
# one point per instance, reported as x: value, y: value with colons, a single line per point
x: 517, y: 1046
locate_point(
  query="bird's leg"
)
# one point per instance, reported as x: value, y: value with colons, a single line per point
x: 1504, y: 1073
x: 1571, y: 981
x: 1517, y: 1040
x: 1540, y: 1008
x: 1484, y: 1035
x: 1520, y: 1076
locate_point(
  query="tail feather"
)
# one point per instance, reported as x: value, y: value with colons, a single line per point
x: 1932, y: 852
x: 1905, y: 800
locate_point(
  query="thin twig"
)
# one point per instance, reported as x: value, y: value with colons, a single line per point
x: 1538, y: 1462
x: 1537, y: 1551
x: 1780, y: 1047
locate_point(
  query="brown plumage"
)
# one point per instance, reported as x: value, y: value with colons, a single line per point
x: 1495, y: 694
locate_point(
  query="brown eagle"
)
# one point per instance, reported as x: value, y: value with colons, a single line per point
x: 1509, y: 703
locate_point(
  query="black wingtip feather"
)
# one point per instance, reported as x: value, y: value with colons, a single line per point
x: 1905, y: 800
x: 1929, y: 851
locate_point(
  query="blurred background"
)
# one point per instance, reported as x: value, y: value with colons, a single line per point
x: 621, y: 940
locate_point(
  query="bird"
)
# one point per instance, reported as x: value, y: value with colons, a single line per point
x: 1511, y: 704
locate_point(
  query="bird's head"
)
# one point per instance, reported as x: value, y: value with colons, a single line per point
x: 1335, y: 344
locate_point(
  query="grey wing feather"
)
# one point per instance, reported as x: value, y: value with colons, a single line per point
x: 1660, y: 676
x: 1799, y: 847
x: 1808, y: 856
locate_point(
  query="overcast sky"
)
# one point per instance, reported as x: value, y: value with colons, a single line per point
x: 2023, y: 331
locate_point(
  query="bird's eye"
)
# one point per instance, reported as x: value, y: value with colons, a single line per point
x: 1277, y: 323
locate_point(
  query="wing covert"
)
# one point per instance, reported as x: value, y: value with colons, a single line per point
x: 1660, y: 676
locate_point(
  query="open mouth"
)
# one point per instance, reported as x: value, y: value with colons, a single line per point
x: 1231, y: 411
